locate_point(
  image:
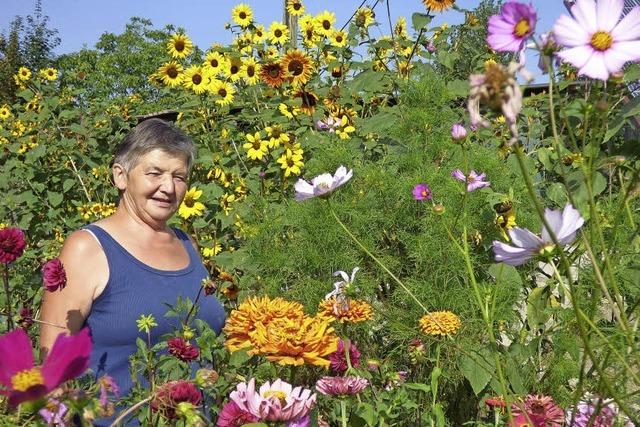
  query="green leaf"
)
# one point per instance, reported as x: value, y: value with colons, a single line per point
x: 435, y: 374
x: 239, y: 358
x: 458, y: 88
x: 475, y: 370
x: 418, y: 387
x: 505, y: 274
x: 367, y: 412
x: 68, y: 184
x: 537, y: 302
x: 420, y: 20
x: 54, y: 198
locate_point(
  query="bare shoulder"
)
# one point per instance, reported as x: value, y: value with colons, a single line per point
x: 85, y: 261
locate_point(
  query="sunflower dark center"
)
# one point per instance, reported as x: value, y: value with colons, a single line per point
x: 274, y: 71
x: 297, y: 6
x: 189, y: 201
x: 196, y: 79
x: 242, y: 15
x: 278, y: 33
x: 295, y: 67
x: 172, y: 72
x: 234, y: 69
x: 326, y: 24
x: 214, y: 63
x: 179, y: 45
x: 251, y: 71
x: 339, y: 38
x: 222, y: 92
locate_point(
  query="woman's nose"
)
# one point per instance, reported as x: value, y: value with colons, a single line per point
x: 167, y: 185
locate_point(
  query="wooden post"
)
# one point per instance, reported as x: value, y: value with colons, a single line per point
x: 292, y: 23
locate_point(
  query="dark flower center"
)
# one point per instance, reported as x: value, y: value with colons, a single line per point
x: 326, y: 24
x: 214, y: 63
x: 179, y: 45
x: 196, y: 79
x: 172, y: 72
x: 242, y: 15
x: 295, y: 67
x: 222, y: 92
x: 278, y: 33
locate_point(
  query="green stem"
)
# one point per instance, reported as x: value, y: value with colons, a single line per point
x: 343, y: 411
x: 7, y: 291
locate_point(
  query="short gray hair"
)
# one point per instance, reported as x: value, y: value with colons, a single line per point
x: 153, y: 134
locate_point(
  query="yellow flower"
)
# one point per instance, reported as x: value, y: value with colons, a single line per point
x: 295, y: 7
x: 400, y: 29
x: 258, y: 34
x: 145, y: 322
x: 346, y: 129
x: 244, y: 42
x: 195, y: 79
x: 310, y: 36
x: 324, y: 22
x: 179, y: 46
x: 273, y: 74
x: 190, y: 206
x: 338, y: 38
x: 242, y: 15
x: 272, y: 53
x: 256, y: 147
x: 212, y: 251
x: 278, y: 33
x: 297, y: 66
x: 24, y: 74
x: 5, y: 112
x: 48, y: 74
x: 364, y: 17
x: 347, y: 311
x: 234, y: 69
x: 489, y: 62
x: 291, y: 163
x: 438, y: 5
x: 171, y: 74
x: 219, y: 175
x: 309, y: 100
x: 226, y: 201
x: 215, y: 63
x: 18, y: 128
x: 505, y: 218
x: 276, y: 135
x: 223, y: 91
x: 250, y: 71
x: 287, y: 111
x: 440, y: 323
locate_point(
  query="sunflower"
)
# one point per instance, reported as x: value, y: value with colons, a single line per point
x: 256, y: 147
x: 271, y: 53
x: 505, y: 218
x: 400, y: 30
x: 364, y: 17
x: 214, y: 250
x: 258, y: 35
x: 171, y: 74
x: 298, y: 67
x: 179, y: 46
x: 404, y: 67
x: 48, y: 74
x: 287, y: 111
x: 244, y: 42
x: 440, y: 323
x: 345, y: 129
x: 438, y: 5
x: 295, y: 7
x: 233, y: 71
x: 291, y: 163
x: 242, y: 15
x: 276, y: 136
x: 223, y: 91
x: 337, y: 110
x: 5, y: 112
x: 278, y: 33
x: 338, y: 38
x: 309, y: 101
x: 24, y: 74
x: 250, y: 71
x: 195, y: 79
x: 324, y: 22
x: 190, y: 205
x: 310, y: 36
x: 226, y: 201
x: 346, y: 311
x: 215, y: 63
x: 272, y: 74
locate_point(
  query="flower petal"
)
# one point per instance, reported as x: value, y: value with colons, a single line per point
x: 304, y: 190
x: 554, y: 218
x: 571, y: 222
x: 595, y: 67
x: 510, y: 254
x: 457, y: 174
x: 629, y: 27
x: 68, y: 358
x: 15, y: 355
x: 621, y: 53
x: 567, y: 32
x: 584, y: 11
x: 524, y: 238
x: 577, y: 56
x: 608, y: 14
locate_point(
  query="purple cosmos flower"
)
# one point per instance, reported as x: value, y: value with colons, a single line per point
x: 421, y: 192
x: 512, y: 27
x: 597, y: 42
x: 329, y: 124
x: 322, y: 185
x: 564, y: 224
x: 107, y: 384
x: 341, y: 386
x: 474, y: 181
x: 53, y: 413
x: 458, y: 132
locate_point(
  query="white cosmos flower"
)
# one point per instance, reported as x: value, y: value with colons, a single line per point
x: 341, y: 286
x: 322, y: 185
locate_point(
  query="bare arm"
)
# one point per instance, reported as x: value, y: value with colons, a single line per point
x: 87, y: 271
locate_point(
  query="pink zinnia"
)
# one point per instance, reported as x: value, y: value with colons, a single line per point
x: 53, y: 275
x: 182, y: 349
x: 23, y: 381
x: 338, y: 359
x: 542, y: 408
x: 421, y: 192
x: 527, y: 420
x: 233, y: 416
x: 341, y: 386
x: 512, y: 27
x: 597, y: 42
x: 11, y: 244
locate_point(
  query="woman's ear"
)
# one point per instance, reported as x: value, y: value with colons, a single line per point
x: 119, y: 176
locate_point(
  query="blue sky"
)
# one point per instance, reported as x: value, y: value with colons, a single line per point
x: 81, y: 22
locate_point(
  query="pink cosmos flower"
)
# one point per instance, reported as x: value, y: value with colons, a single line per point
x: 339, y: 360
x: 341, y: 386
x: 322, y: 185
x: 53, y: 413
x: 458, y: 132
x: 232, y: 416
x: 421, y: 192
x: 23, y: 381
x: 541, y: 410
x: 277, y: 401
x: 509, y: 30
x: 329, y: 124
x: 107, y: 384
x: 474, y: 181
x: 597, y: 42
x: 11, y: 244
x: 564, y: 224
x: 53, y: 275
x: 592, y: 412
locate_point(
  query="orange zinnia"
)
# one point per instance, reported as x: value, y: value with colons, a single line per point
x: 349, y: 311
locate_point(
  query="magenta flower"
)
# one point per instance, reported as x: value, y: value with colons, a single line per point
x: 11, y: 244
x: 541, y: 410
x: 527, y: 245
x: 597, y: 42
x: 322, y: 185
x: 458, y: 132
x: 182, y: 349
x: 421, y: 192
x: 277, y: 401
x: 341, y: 386
x: 23, y: 381
x: 474, y: 181
x: 172, y: 393
x: 509, y: 30
x: 339, y: 360
x: 527, y: 420
x: 232, y: 416
x: 329, y: 124
x: 53, y: 413
x: 53, y: 275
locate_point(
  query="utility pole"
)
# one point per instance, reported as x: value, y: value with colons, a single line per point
x: 292, y: 23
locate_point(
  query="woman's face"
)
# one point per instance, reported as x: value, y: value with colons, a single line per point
x: 155, y: 187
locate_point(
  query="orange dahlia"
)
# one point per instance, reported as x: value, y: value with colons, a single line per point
x: 346, y: 311
x: 440, y: 323
x: 297, y: 66
x: 273, y: 74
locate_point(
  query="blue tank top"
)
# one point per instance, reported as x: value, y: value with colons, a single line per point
x: 133, y: 289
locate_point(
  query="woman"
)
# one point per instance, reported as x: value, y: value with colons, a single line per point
x: 132, y: 263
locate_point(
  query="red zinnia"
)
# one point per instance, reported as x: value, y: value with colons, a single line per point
x: 11, y: 244
x: 234, y: 416
x: 53, y: 275
x: 23, y: 381
x: 182, y: 349
x: 172, y: 393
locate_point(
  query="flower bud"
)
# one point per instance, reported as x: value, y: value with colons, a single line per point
x: 438, y: 209
x: 458, y: 132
